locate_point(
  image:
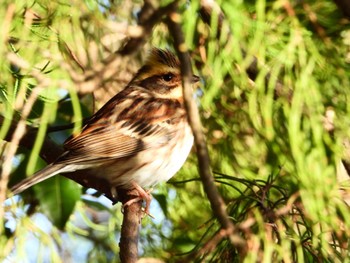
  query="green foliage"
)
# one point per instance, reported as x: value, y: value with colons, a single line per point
x: 276, y: 161
x: 58, y: 196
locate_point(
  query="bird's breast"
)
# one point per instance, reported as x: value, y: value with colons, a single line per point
x: 154, y: 164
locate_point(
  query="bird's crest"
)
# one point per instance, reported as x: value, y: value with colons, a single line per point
x: 160, y: 57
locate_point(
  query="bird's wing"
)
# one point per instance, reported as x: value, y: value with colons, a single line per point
x: 97, y: 143
x: 133, y: 131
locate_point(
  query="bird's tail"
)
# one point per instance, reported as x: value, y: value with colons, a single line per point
x: 46, y: 173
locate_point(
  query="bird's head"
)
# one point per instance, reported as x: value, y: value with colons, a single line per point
x: 161, y: 74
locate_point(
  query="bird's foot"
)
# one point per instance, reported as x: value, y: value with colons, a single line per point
x: 143, y: 196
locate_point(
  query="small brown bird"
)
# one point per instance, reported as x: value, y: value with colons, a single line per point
x: 139, y: 138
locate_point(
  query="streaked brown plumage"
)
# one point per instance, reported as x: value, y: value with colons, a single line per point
x: 138, y: 138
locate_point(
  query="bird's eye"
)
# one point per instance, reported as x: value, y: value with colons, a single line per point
x: 168, y: 77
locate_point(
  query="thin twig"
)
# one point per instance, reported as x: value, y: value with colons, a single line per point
x: 5, y: 176
x: 148, y: 18
x: 20, y: 129
x: 217, y: 204
x: 212, y: 243
x: 18, y: 133
x: 94, y: 78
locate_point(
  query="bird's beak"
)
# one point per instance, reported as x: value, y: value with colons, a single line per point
x: 195, y: 79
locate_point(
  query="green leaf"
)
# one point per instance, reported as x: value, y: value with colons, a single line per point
x: 58, y: 196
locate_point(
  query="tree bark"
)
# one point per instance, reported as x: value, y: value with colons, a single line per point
x: 130, y: 228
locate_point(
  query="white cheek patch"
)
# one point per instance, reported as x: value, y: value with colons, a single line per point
x: 174, y: 93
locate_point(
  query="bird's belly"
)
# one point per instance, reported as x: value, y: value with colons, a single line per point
x: 165, y: 165
x: 150, y: 166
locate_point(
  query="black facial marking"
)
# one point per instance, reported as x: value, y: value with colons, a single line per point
x: 161, y: 83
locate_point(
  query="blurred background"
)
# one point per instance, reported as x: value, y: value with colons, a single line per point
x: 274, y: 102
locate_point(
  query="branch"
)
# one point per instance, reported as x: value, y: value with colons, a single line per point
x: 129, y: 235
x: 344, y: 6
x: 148, y: 18
x: 217, y: 204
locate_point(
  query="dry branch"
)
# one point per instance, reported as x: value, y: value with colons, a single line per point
x: 129, y: 236
x: 217, y: 204
x: 344, y: 6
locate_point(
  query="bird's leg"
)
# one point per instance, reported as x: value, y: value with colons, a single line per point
x: 143, y: 195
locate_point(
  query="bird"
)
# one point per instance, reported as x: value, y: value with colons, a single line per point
x: 139, y: 138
